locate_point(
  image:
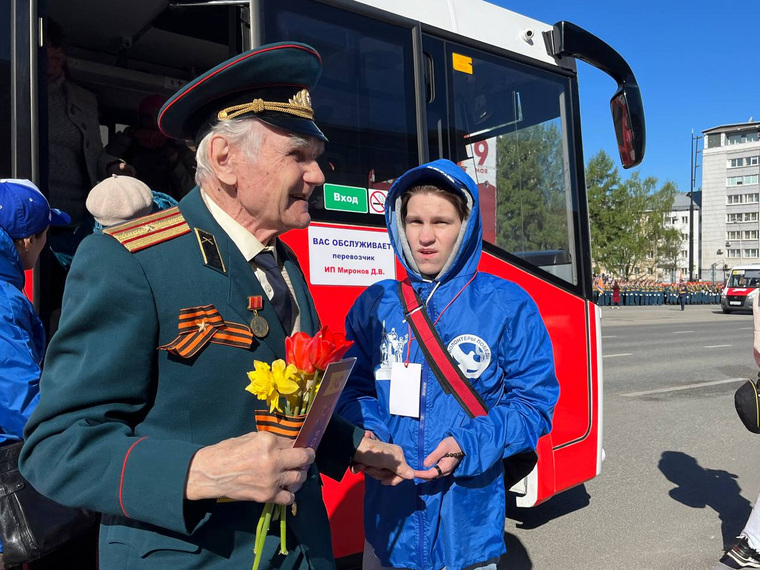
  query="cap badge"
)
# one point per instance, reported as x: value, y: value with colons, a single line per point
x: 298, y: 105
x: 302, y: 99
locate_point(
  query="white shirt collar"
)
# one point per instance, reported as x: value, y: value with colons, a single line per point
x: 245, y: 241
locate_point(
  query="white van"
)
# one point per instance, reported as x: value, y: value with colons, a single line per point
x: 741, y: 288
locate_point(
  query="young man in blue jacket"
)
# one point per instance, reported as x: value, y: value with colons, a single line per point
x: 452, y: 514
x: 24, y: 220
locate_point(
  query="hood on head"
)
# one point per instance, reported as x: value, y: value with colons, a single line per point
x: 447, y: 175
x: 11, y: 266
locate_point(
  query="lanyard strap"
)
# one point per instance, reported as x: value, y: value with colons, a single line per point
x: 446, y: 371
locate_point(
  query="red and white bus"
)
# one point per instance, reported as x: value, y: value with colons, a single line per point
x: 403, y: 82
x: 740, y: 289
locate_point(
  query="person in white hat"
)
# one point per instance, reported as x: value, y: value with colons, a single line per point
x: 118, y: 199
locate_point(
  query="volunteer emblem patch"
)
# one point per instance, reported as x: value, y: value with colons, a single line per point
x: 471, y: 353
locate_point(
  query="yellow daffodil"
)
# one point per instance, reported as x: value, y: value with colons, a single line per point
x: 269, y: 383
x: 262, y: 384
x: 285, y: 378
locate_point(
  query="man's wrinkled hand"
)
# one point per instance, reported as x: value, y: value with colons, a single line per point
x: 382, y: 461
x: 257, y: 467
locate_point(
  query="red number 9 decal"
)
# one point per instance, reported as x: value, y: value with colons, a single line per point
x: 481, y: 151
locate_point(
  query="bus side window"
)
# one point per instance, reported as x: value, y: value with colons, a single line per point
x: 364, y: 101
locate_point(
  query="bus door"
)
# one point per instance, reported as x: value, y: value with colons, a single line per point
x: 116, y: 56
x: 513, y: 127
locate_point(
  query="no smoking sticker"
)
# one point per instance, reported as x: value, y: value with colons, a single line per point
x: 377, y: 201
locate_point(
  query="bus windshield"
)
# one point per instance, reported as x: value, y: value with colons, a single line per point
x: 512, y: 129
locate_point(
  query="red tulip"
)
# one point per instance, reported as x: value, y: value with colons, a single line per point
x: 297, y: 348
x: 327, y: 347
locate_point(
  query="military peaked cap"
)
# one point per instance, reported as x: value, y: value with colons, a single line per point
x: 271, y: 82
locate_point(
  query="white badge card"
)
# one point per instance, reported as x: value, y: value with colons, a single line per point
x: 405, y: 389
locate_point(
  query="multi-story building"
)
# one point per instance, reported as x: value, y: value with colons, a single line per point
x: 657, y: 266
x: 730, y: 198
x: 673, y: 270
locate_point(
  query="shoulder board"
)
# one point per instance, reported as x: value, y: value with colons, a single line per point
x: 150, y: 230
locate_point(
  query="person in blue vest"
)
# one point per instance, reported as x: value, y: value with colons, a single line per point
x: 495, y: 335
x: 25, y: 217
x: 143, y: 414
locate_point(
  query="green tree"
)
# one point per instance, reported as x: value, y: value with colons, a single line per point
x: 627, y: 229
x: 531, y: 210
x: 602, y: 184
x: 669, y: 250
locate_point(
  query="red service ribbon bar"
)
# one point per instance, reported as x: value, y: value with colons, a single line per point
x: 200, y: 325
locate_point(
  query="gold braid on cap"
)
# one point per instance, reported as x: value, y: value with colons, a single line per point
x: 298, y: 105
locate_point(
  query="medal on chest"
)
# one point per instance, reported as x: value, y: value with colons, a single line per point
x: 259, y: 324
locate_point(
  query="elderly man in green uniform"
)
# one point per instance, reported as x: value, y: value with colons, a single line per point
x: 144, y: 415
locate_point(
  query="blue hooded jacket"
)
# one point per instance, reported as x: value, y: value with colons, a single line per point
x: 492, y: 328
x: 22, y: 345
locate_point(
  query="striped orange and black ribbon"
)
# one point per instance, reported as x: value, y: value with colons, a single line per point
x: 200, y: 325
x: 279, y: 424
x: 233, y: 334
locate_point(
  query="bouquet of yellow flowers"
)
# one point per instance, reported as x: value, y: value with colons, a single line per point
x: 289, y: 388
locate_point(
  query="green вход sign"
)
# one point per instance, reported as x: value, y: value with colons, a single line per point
x: 345, y: 198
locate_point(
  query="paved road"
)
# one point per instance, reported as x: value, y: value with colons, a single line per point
x: 680, y: 474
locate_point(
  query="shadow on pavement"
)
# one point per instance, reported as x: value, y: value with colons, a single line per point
x: 517, y: 557
x: 734, y: 312
x: 558, y: 506
x: 699, y: 488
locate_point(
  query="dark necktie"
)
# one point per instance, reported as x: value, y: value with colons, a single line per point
x: 281, y: 297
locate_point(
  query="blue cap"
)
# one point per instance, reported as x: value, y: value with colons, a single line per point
x: 271, y: 83
x: 24, y: 211
x: 437, y: 173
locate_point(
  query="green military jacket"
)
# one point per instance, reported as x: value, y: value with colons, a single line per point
x: 119, y: 420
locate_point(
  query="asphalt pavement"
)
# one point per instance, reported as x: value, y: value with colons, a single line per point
x: 680, y: 473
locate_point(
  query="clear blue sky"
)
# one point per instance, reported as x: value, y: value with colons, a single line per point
x: 696, y: 62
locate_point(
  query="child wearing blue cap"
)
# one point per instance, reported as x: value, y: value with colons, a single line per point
x: 25, y: 216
